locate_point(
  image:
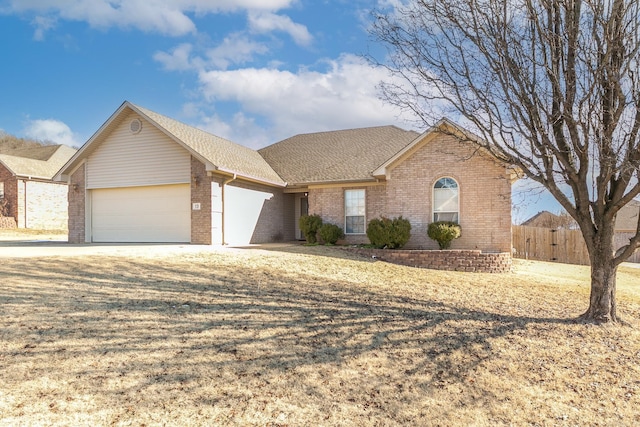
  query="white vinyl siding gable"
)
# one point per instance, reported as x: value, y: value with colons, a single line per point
x: 127, y: 159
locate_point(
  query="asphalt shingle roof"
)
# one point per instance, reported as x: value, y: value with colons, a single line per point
x: 224, y: 154
x: 43, y: 169
x: 34, y: 151
x: 344, y: 155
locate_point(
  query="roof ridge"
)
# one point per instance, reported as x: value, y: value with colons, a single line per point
x: 350, y: 129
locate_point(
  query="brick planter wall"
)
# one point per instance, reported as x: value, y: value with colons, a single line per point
x: 452, y: 260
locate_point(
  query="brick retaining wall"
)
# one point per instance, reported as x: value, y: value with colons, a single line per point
x: 453, y: 260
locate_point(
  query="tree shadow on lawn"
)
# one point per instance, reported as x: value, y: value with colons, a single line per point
x: 185, y: 327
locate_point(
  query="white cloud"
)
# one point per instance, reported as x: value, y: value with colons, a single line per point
x: 343, y: 96
x: 234, y: 49
x: 42, y: 24
x: 266, y: 22
x: 179, y: 59
x: 168, y: 17
x: 51, y: 130
x: 241, y: 129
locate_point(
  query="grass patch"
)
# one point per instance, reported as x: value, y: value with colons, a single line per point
x: 308, y: 335
x: 20, y: 233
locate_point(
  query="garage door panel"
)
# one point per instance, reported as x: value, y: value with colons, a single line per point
x: 141, y: 214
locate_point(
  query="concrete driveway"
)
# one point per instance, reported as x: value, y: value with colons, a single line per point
x: 56, y: 245
x: 45, y: 248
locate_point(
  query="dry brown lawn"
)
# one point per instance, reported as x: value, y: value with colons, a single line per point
x: 308, y: 336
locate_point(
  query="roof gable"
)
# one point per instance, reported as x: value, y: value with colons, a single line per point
x: 444, y: 126
x: 218, y: 154
x: 335, y: 156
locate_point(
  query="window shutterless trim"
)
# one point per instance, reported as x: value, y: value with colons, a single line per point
x: 360, y: 207
x: 445, y: 185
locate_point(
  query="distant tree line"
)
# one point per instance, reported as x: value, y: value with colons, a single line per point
x: 10, y: 144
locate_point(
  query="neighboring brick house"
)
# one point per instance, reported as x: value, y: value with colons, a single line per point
x: 627, y: 223
x: 148, y: 178
x: 546, y: 219
x: 32, y: 198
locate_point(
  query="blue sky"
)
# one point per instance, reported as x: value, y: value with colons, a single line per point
x: 252, y: 71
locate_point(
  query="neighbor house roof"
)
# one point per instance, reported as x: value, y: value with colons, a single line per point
x: 542, y: 219
x: 33, y: 151
x: 218, y: 154
x: 336, y: 156
x: 627, y: 219
x: 39, y: 169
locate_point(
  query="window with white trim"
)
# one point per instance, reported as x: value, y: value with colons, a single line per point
x: 1, y: 190
x: 354, y: 211
x: 446, y: 200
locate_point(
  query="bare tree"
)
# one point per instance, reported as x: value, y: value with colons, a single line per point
x: 550, y: 86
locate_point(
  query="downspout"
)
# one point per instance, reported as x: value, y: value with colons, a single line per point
x: 224, y: 184
x: 25, y: 203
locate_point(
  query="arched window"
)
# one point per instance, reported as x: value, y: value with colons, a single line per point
x: 446, y: 200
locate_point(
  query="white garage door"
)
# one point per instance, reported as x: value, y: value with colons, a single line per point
x: 141, y: 214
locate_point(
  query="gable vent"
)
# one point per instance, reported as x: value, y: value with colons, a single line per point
x: 135, y: 126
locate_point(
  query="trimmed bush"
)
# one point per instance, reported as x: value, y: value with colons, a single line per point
x: 330, y: 233
x: 444, y: 232
x: 309, y: 225
x: 389, y: 233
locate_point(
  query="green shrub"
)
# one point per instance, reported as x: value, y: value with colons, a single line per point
x: 389, y: 233
x: 309, y: 225
x: 443, y: 232
x: 378, y: 231
x: 330, y: 233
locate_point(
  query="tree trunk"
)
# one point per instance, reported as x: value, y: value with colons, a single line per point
x: 602, y: 303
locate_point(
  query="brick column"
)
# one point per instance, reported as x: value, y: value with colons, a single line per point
x: 200, y: 193
x: 77, y: 194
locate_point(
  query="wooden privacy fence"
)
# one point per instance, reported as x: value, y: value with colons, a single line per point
x: 558, y: 245
x: 546, y: 244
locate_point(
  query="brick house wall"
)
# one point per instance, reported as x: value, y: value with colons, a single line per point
x: 328, y: 202
x: 484, y: 194
x: 10, y: 190
x: 77, y: 206
x: 42, y: 205
x: 35, y: 204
